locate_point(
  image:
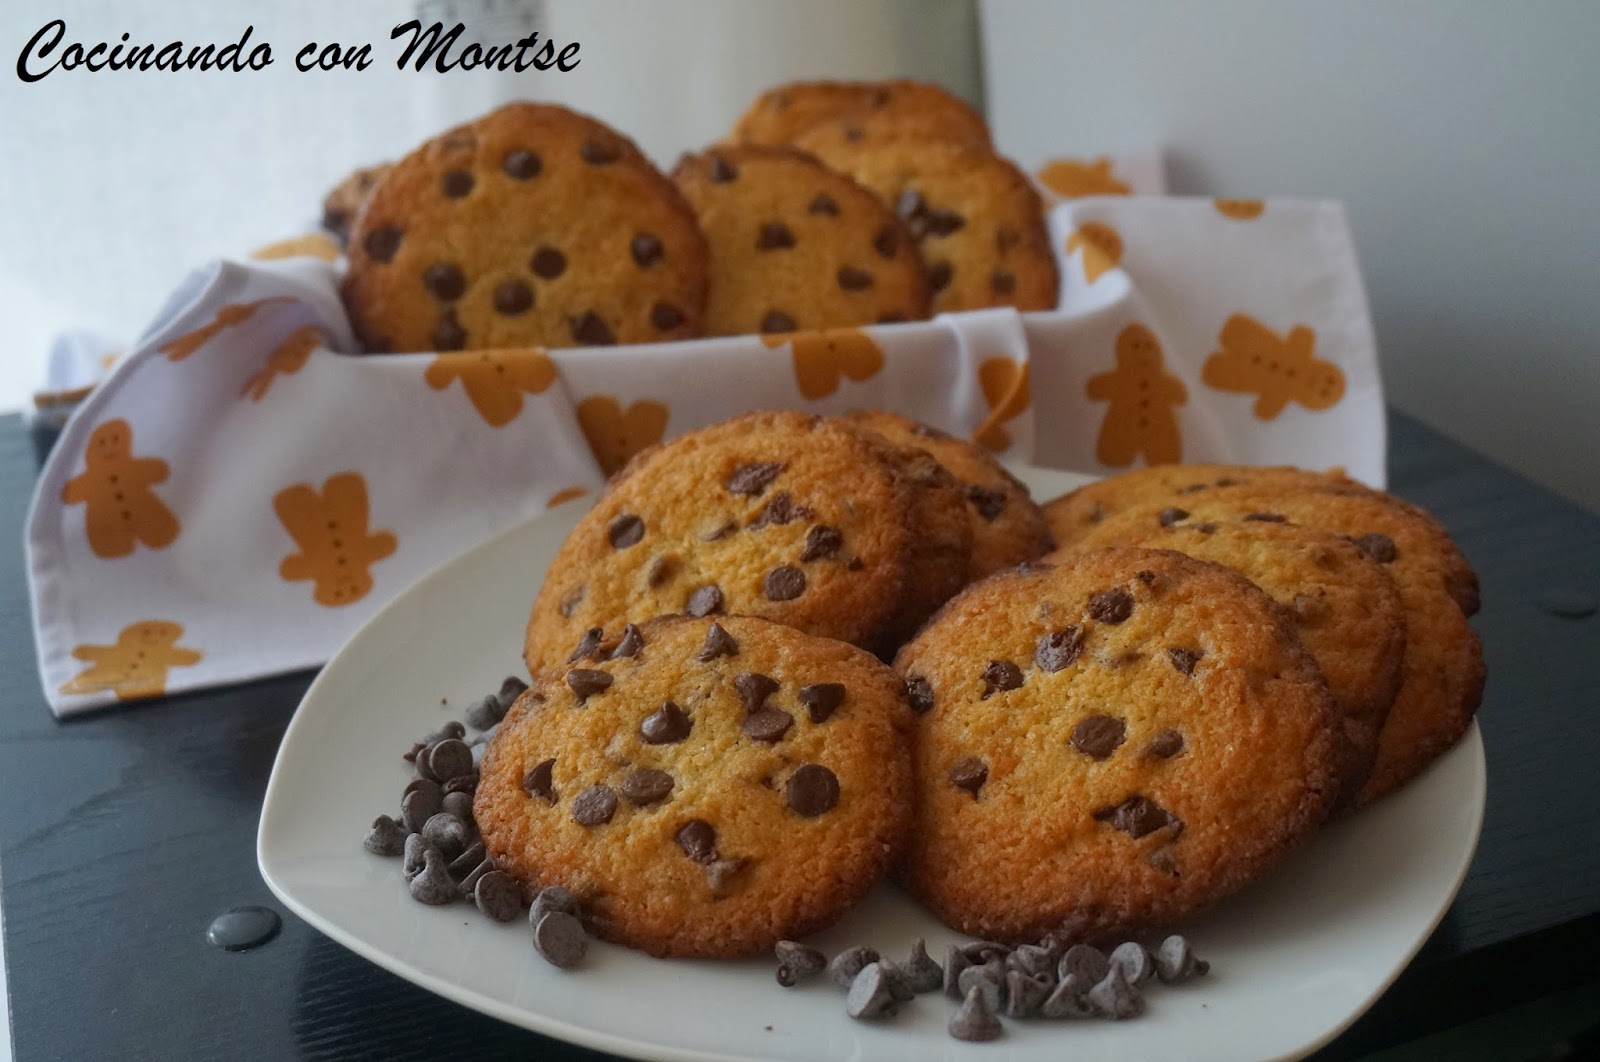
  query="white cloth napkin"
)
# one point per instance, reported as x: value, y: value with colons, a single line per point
x: 241, y: 492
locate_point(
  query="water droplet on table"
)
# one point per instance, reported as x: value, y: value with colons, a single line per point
x: 243, y: 928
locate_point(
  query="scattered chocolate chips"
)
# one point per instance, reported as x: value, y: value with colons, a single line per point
x: 457, y: 184
x: 666, y: 316
x: 706, y: 601
x: 751, y: 479
x: 718, y: 641
x: 1115, y: 998
x: 769, y: 725
x: 646, y: 249
x: 887, y: 241
x: 558, y: 936
x: 784, y: 583
x: 869, y: 995
x: 449, y: 759
x: 667, y: 725
x: 822, y: 541
x: 446, y: 833
x: 999, y: 676
x: 1002, y: 282
x: 591, y: 330
x: 797, y: 962
x: 448, y: 334
x: 812, y: 790
x: 433, y: 885
x: 599, y: 152
x: 386, y: 838
x: 588, y: 646
x: 721, y: 170
x: 921, y: 971
x: 1111, y: 606
x: 1137, y: 964
x: 553, y: 898
x: 1067, y: 1001
x: 989, y: 503
x: 485, y: 712
x: 1171, y: 515
x: 969, y: 774
x: 498, y: 895
x: 774, y: 236
x: 849, y: 962
x: 955, y: 961
x: 1176, y: 961
x: 1026, y: 992
x: 1058, y: 649
x: 1165, y: 745
x: 415, y: 851
x: 466, y: 784
x: 445, y: 281
x: 1568, y: 603
x: 782, y: 509
x: 1184, y: 660
x: 594, y: 806
x: 1098, y: 736
x: 939, y: 274
x: 1136, y: 816
x: 547, y: 262
x: 989, y: 979
x: 539, y: 781
x: 754, y: 689
x: 1379, y: 547
x: 586, y: 682
x: 467, y: 861
x: 1085, y: 961
x: 824, y: 204
x: 624, y: 531
x: 521, y: 164
x: 381, y: 244
x: 698, y: 839
x: 630, y: 644
x: 423, y: 800
x: 821, y: 699
x: 646, y: 786
x: 919, y: 693
x: 853, y: 279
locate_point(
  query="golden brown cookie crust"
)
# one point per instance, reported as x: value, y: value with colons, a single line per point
x: 533, y: 226
x: 1089, y: 818
x: 784, y: 112
x: 781, y: 873
x: 795, y: 246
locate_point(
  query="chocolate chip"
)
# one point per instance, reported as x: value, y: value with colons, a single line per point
x: 445, y: 281
x: 553, y: 898
x: 547, y: 262
x: 853, y: 279
x: 780, y: 510
x: 1185, y: 659
x: 521, y: 164
x: 698, y: 840
x: 624, y: 531
x: 381, y: 244
x: 448, y: 333
x: 1379, y: 547
x: 446, y: 833
x: 499, y: 896
x: 821, y: 699
x: 887, y: 242
x: 974, y: 1021
x: 943, y: 222
x: 464, y: 783
x: 718, y: 641
x: 1086, y: 962
x: 1033, y: 960
x: 1267, y: 518
x: 420, y: 803
x: 1138, y: 965
x: 594, y: 806
x: 773, y: 236
x: 849, y: 962
x: 769, y: 725
x: 386, y: 838
x: 751, y: 479
x: 1026, y: 992
x: 558, y: 936
x: 1058, y: 649
x: 456, y: 184
x: 1171, y: 515
x: 1111, y: 606
x: 468, y: 861
x: 1568, y: 603
x: 784, y: 583
x: 999, y: 676
x: 1005, y: 238
x: 415, y: 852
x: 433, y: 885
x: 586, y: 682
x: 666, y: 316
x: 599, y: 152
x: 869, y: 995
x: 1067, y: 1001
x: 797, y: 962
x: 450, y: 758
x: 919, y: 693
x: 1136, y: 816
x: 632, y: 641
x: 986, y: 951
x: 821, y: 541
x: 824, y: 204
x: 1097, y: 736
x: 989, y: 503
x: 777, y: 321
x: 646, y: 786
x: 754, y: 689
x: 591, y: 330
x: 812, y: 790
x: 1165, y: 745
x: 969, y: 774
x: 1002, y: 283
x: 416, y: 747
x: 955, y: 961
x: 540, y: 781
x: 1176, y: 961
x: 588, y: 645
x: 485, y: 712
x: 1115, y: 998
x: 721, y: 170
x: 571, y: 601
x: 939, y: 275
x: 667, y: 725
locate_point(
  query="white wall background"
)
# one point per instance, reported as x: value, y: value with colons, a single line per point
x: 1464, y: 137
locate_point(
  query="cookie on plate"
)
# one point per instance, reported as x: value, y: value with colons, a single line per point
x: 1007, y: 527
x: 804, y: 520
x: 782, y: 114
x: 532, y: 226
x: 796, y: 246
x: 1442, y: 673
x: 1345, y: 607
x: 976, y: 216
x: 1109, y: 745
x: 707, y: 787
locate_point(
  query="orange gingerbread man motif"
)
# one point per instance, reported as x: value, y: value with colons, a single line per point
x: 337, y: 550
x: 287, y: 358
x: 120, y: 509
x: 312, y: 245
x: 1240, y: 209
x: 1071, y: 178
x: 227, y: 317
x: 1101, y: 246
x: 1255, y: 360
x: 495, y: 380
x: 136, y: 666
x: 1004, y: 384
x: 822, y: 357
x: 1142, y: 418
x: 614, y: 435
x: 564, y: 495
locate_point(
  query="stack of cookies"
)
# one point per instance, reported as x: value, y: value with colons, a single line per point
x: 831, y: 205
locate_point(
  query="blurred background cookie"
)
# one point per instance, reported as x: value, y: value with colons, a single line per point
x: 344, y: 202
x: 781, y: 114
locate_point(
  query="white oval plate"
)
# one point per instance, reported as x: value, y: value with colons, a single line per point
x: 1296, y: 957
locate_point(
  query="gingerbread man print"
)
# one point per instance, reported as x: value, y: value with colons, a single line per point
x: 615, y: 434
x: 337, y: 551
x: 822, y: 357
x: 495, y: 380
x: 1071, y: 178
x: 287, y: 358
x: 227, y: 317
x: 137, y: 665
x: 120, y: 509
x: 1004, y: 384
x: 1255, y: 360
x: 1142, y: 419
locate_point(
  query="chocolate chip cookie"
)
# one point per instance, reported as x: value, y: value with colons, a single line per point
x: 1442, y: 674
x: 1007, y: 527
x: 799, y: 519
x: 782, y: 114
x: 705, y: 787
x: 797, y: 246
x: 347, y: 198
x: 1109, y: 745
x: 976, y: 216
x: 533, y: 226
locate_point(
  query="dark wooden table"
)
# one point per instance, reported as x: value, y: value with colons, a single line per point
x: 124, y: 833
